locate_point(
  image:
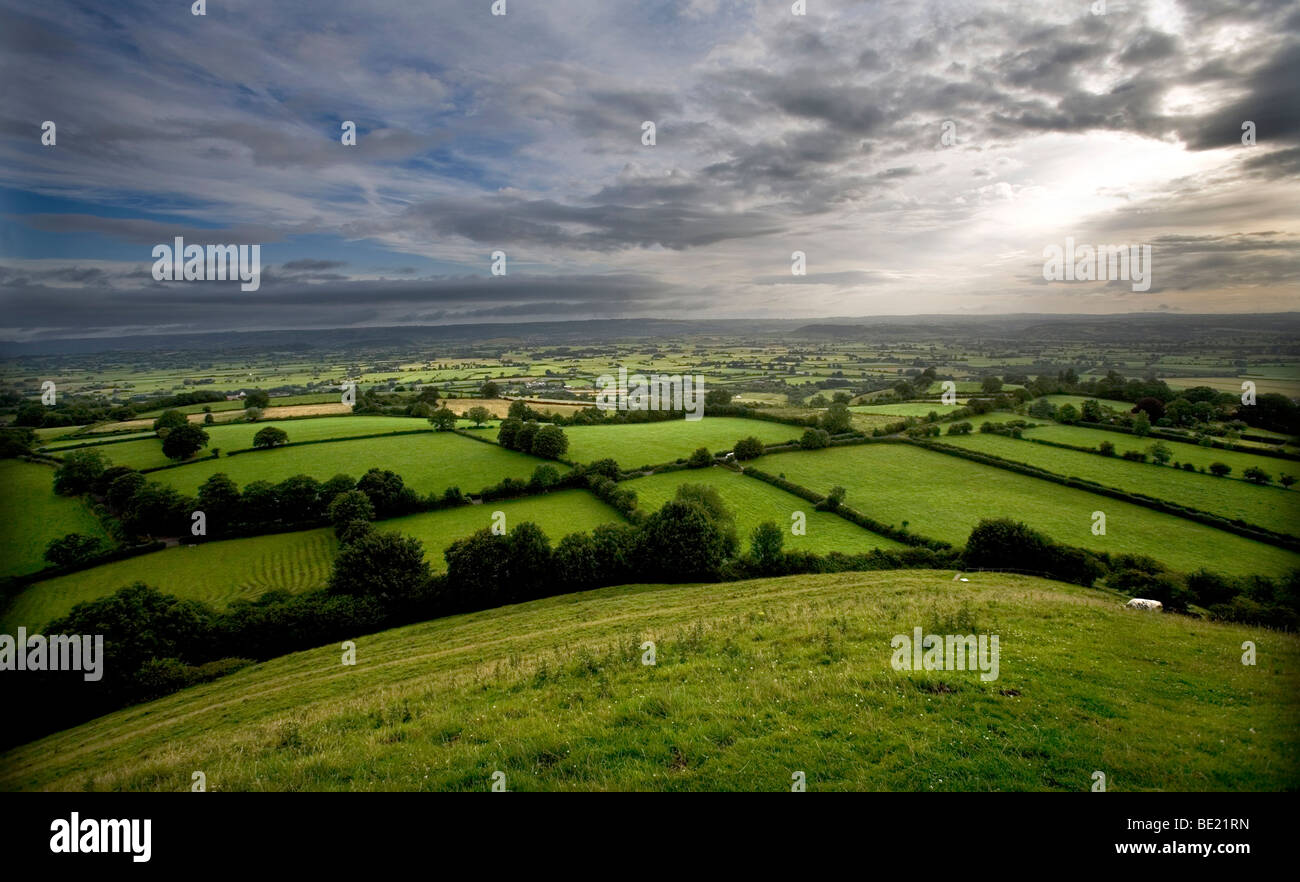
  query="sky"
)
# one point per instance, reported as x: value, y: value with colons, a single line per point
x: 921, y: 155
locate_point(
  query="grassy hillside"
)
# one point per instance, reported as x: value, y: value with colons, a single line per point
x: 751, y: 502
x: 31, y: 516
x: 754, y: 681
x: 219, y: 572
x: 944, y: 497
x: 1273, y: 507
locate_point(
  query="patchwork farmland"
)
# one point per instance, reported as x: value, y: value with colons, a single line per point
x: 511, y: 554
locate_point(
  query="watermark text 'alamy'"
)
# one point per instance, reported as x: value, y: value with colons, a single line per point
x: 653, y: 392
x: 190, y: 263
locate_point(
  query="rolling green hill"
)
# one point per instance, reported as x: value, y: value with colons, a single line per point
x: 753, y: 682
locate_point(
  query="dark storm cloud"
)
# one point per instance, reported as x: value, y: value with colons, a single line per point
x: 289, y: 303
x: 313, y: 265
x: 1272, y: 103
x: 604, y: 224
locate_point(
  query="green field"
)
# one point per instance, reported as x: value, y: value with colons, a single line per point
x: 1272, y: 507
x: 429, y: 461
x: 1263, y: 385
x: 639, y: 444
x: 66, y: 443
x: 31, y: 516
x: 216, y: 573
x: 967, y: 387
x: 906, y: 409
x: 219, y: 572
x: 1078, y: 400
x: 558, y: 514
x: 221, y: 406
x: 751, y: 502
x: 147, y: 452
x: 944, y: 497
x: 1183, y: 451
x: 753, y: 682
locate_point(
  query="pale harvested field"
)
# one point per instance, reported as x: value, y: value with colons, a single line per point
x: 227, y: 416
x: 499, y: 407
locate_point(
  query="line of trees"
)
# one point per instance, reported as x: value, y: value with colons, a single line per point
x: 546, y: 440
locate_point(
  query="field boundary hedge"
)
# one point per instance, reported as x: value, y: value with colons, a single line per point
x: 15, y: 584
x: 240, y: 450
x: 110, y: 440
x: 1095, y: 452
x: 1161, y: 435
x: 849, y: 514
x: 750, y: 413
x: 1240, y: 528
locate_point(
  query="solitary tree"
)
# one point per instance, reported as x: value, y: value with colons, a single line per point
x: 271, y: 436
x: 1220, y: 469
x: 184, y: 442
x: 443, y: 419
x: 168, y: 420
x: 490, y: 390
x: 478, y: 415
